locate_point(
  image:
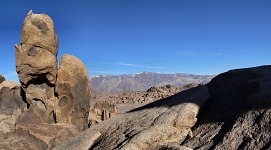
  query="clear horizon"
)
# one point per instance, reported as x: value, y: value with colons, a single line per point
x: 127, y: 37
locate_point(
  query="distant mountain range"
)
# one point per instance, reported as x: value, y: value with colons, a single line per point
x: 144, y: 80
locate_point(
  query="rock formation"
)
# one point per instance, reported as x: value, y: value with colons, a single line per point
x: 151, y: 126
x: 86, y: 140
x: 2, y: 79
x: 47, y: 108
x: 130, y: 97
x: 73, y: 90
x: 52, y: 105
x: 236, y: 115
x: 9, y: 84
x: 11, y: 107
x: 36, y: 64
x: 52, y: 95
x: 109, y: 104
x: 101, y: 112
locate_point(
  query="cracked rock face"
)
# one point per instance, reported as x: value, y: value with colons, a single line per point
x: 73, y: 88
x: 36, y: 64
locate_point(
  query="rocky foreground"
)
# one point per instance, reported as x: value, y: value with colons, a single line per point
x: 53, y: 108
x: 230, y: 112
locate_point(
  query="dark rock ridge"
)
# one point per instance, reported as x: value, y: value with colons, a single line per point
x: 238, y: 115
x: 145, y: 80
x: 234, y: 113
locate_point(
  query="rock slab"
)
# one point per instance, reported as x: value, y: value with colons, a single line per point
x: 151, y: 126
x: 238, y: 115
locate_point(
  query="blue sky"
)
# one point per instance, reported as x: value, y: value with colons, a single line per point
x: 130, y: 36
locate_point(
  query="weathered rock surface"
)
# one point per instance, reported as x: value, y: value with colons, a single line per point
x: 10, y: 100
x: 38, y: 137
x: 11, y: 107
x: 129, y: 97
x: 73, y: 90
x: 49, y: 135
x: 36, y: 55
x: 121, y: 102
x: 9, y: 84
x: 2, y: 79
x: 101, y: 111
x: 159, y: 123
x: 36, y: 64
x: 22, y: 128
x: 109, y: 104
x: 173, y: 147
x: 28, y: 113
x: 238, y: 115
x: 81, y: 142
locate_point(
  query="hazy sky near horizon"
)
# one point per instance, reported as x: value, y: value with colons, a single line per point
x: 168, y: 36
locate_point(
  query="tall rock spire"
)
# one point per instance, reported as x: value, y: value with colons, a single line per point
x: 36, y: 64
x: 64, y: 98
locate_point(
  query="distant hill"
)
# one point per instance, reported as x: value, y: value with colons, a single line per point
x: 144, y: 80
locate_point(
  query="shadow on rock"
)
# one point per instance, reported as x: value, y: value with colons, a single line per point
x: 187, y: 96
x: 237, y: 116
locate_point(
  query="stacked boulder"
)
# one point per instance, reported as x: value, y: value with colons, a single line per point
x: 53, y: 95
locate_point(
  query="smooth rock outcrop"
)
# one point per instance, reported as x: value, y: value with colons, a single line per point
x: 36, y: 64
x: 238, y: 115
x: 73, y: 90
x: 81, y: 142
x: 151, y: 126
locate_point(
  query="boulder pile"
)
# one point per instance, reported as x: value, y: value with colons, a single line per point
x: 110, y: 104
x: 130, y: 97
